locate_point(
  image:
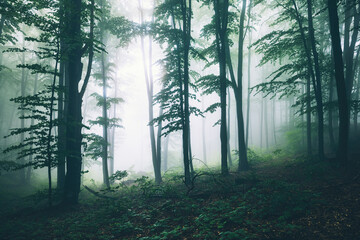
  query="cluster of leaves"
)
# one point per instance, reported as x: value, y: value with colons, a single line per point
x: 36, y: 107
x: 171, y: 37
x: 13, y: 13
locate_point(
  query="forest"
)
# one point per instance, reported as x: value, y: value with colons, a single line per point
x: 179, y: 119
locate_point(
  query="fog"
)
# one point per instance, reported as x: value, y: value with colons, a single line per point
x: 274, y: 123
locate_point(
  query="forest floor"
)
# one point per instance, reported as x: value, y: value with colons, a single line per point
x: 279, y: 199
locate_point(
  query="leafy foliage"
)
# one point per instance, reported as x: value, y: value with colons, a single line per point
x: 37, y: 108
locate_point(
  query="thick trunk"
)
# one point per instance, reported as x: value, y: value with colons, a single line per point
x: 221, y: 15
x: 342, y: 152
x: 73, y: 114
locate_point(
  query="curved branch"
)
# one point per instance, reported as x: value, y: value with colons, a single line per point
x: 91, y: 49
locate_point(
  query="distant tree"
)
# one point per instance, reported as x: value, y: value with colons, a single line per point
x: 210, y: 82
x: 173, y: 27
x: 148, y: 72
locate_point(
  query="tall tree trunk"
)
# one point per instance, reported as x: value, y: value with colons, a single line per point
x: 262, y: 120
x: 72, y: 31
x: 22, y: 119
x: 243, y: 162
x: 150, y: 93
x: 357, y: 96
x: 351, y: 16
x: 158, y: 142
x: 315, y: 79
x: 228, y: 129
x: 192, y: 171
x: 308, y: 118
x: 274, y: 120
x: 185, y: 146
x: 113, y: 132
x: 342, y: 152
x: 221, y: 17
x: 48, y: 146
x: 248, y: 85
x: 266, y: 125
x: 166, y: 153
x: 105, y: 168
x: 237, y: 87
x: 28, y: 169
x: 203, y: 133
x: 331, y: 117
x: 318, y: 89
x: 62, y: 105
x: 186, y: 20
x: 61, y: 131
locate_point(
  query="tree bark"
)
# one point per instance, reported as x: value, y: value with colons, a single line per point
x: 357, y: 96
x: 22, y: 120
x: 344, y: 120
x: 351, y: 13
x: 330, y: 116
x: 73, y: 71
x: 221, y: 19
x: 228, y: 129
x: 105, y: 125
x: 308, y: 118
x: 318, y: 89
x: 166, y: 153
x: 186, y: 20
x: 237, y: 87
x: 248, y: 93
x: 243, y: 162
x: 203, y: 133
x: 150, y: 93
x: 185, y: 146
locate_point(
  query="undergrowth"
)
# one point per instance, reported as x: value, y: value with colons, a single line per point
x: 246, y: 206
